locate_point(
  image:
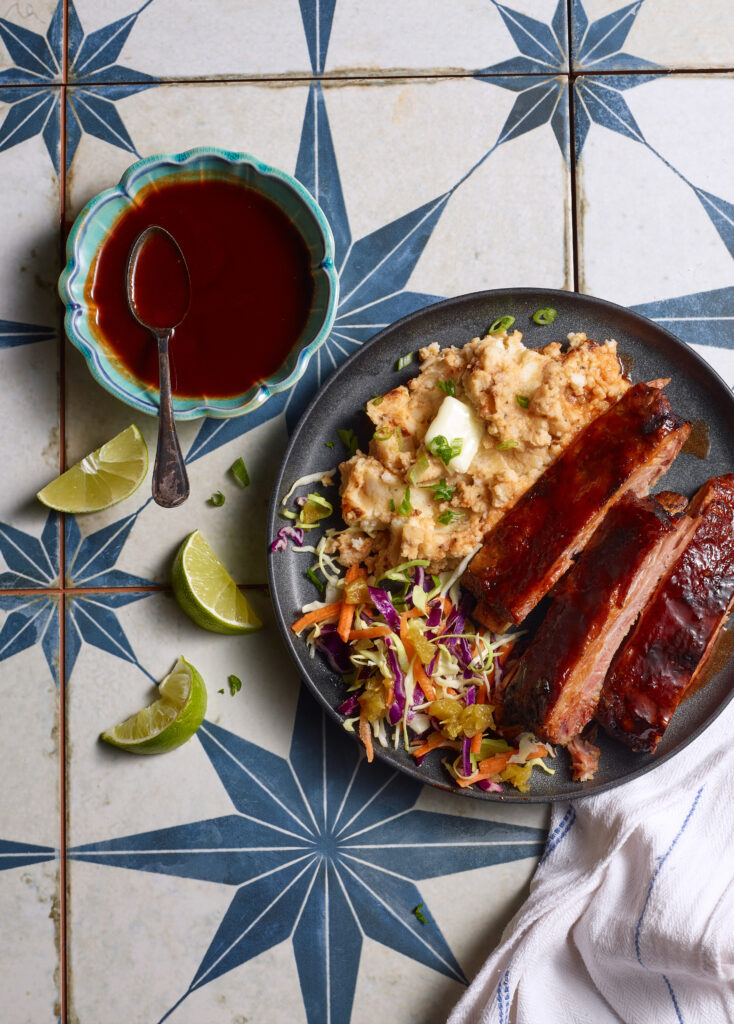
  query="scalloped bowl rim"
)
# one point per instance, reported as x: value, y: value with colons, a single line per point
x: 127, y: 388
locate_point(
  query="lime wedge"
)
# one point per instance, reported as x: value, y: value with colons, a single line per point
x: 167, y: 722
x: 110, y: 474
x: 206, y: 591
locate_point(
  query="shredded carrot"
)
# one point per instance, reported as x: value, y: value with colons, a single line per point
x: 329, y: 611
x: 436, y: 739
x: 421, y: 677
x: 482, y: 693
x: 365, y: 734
x: 414, y: 613
x: 452, y: 692
x: 369, y: 633
x: 494, y: 764
x: 418, y: 671
x: 346, y: 613
x: 471, y: 779
x: 476, y: 743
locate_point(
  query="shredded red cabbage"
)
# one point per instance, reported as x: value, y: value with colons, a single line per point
x: 488, y: 786
x: 381, y: 601
x: 398, y: 706
x: 466, y: 768
x: 434, y: 614
x: 349, y: 707
x: 285, y: 533
x: 471, y: 695
x: 334, y: 649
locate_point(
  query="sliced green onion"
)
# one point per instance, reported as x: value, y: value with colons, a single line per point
x: 442, y: 491
x: 217, y: 499
x: 239, y: 471
x: 436, y: 580
x: 349, y: 439
x: 220, y: 691
x: 545, y: 316
x: 450, y: 516
x: 405, y: 508
x: 440, y: 447
x: 420, y: 914
x: 504, y: 445
x: 376, y: 399
x: 448, y: 387
x: 235, y: 684
x: 501, y: 324
x: 328, y: 444
x: 319, y: 584
x: 383, y: 434
x: 405, y: 360
x: 392, y: 505
x: 418, y: 469
x: 522, y: 400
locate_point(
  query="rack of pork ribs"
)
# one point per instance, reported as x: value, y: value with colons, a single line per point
x: 641, y: 585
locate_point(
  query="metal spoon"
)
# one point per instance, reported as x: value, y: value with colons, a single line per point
x: 170, y: 481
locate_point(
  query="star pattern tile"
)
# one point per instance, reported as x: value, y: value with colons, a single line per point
x: 91, y: 58
x: 323, y: 850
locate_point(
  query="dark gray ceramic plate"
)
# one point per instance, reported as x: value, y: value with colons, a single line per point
x: 695, y: 391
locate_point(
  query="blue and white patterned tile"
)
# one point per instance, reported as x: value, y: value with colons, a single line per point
x: 29, y: 347
x: 418, y: 179
x: 656, y: 203
x: 31, y: 36
x: 265, y: 847
x: 30, y: 938
x: 611, y: 35
x: 323, y: 37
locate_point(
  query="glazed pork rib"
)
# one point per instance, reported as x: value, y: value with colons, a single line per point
x: 556, y: 687
x: 676, y: 633
x: 626, y: 448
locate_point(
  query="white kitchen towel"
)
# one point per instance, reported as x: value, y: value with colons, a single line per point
x: 630, y: 915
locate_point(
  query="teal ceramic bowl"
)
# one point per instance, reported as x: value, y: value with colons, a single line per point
x: 98, y: 219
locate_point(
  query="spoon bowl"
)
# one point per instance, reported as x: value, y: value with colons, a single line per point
x: 158, y: 290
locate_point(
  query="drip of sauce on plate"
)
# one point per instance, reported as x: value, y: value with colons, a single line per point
x: 718, y: 659
x: 252, y: 287
x: 627, y: 361
x: 699, y: 442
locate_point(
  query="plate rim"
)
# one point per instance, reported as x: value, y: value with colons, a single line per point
x: 413, y: 771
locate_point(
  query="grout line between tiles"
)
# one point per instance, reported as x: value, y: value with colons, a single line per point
x: 63, y: 909
x: 572, y: 152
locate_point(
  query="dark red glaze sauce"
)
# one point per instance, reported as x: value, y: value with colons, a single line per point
x: 528, y: 549
x: 159, y: 285
x: 251, y: 287
x: 590, y: 597
x: 653, y: 669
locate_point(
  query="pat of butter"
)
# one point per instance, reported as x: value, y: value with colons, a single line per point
x: 456, y: 420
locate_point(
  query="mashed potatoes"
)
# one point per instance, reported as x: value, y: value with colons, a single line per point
x: 401, y: 501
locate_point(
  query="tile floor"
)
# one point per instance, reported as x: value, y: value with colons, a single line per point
x: 455, y: 149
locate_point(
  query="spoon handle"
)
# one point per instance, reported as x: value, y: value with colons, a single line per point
x: 170, y: 481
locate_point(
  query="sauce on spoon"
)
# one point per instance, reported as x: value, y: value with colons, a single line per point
x: 252, y: 287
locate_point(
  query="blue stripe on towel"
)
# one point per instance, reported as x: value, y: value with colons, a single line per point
x: 560, y: 832
x: 665, y: 856
x: 503, y: 996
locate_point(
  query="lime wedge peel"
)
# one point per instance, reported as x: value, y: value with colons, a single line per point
x: 167, y: 722
x: 207, y: 593
x: 110, y: 474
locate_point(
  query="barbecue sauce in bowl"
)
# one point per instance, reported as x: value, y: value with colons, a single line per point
x: 252, y: 287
